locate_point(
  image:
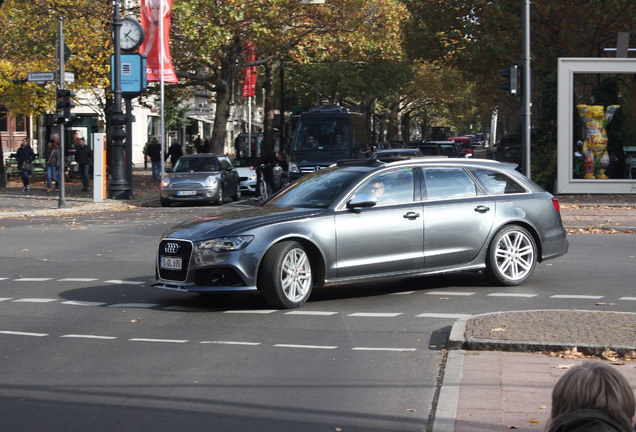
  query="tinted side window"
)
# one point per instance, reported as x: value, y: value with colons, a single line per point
x: 496, y: 183
x: 443, y: 183
x: 393, y: 187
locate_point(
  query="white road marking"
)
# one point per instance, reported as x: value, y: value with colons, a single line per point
x: 16, y: 333
x: 264, y: 311
x: 231, y: 343
x: 5, y: 299
x: 82, y: 303
x: 159, y: 340
x: 134, y: 305
x: 88, y: 336
x: 374, y: 314
x: 32, y: 279
x: 33, y: 300
x: 628, y: 298
x: 583, y: 297
x: 441, y: 315
x: 383, y: 349
x: 450, y: 293
x: 77, y: 280
x: 403, y: 293
x: 124, y: 282
x: 315, y: 313
x: 511, y: 295
x: 305, y: 346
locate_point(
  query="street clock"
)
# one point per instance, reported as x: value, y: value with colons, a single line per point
x: 131, y: 34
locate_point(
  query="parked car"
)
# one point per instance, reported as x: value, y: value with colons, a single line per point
x: 247, y: 174
x: 365, y: 220
x: 465, y: 144
x: 396, y: 153
x: 438, y: 148
x: 200, y: 178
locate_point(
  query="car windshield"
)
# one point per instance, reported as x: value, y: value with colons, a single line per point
x: 197, y: 164
x: 317, y: 190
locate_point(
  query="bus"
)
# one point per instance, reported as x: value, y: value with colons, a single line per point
x: 324, y: 135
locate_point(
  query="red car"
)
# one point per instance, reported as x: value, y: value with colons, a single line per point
x: 465, y: 144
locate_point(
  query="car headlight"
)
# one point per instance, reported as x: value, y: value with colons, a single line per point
x: 225, y: 244
x: 253, y: 177
x: 165, y: 183
x: 293, y: 168
x: 211, y: 181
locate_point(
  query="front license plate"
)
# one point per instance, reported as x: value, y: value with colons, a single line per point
x: 170, y: 263
x: 184, y: 193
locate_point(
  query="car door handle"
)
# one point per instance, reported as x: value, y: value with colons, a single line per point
x: 411, y: 215
x: 482, y: 209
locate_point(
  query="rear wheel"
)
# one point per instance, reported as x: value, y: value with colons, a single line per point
x: 285, y: 275
x: 264, y: 191
x: 512, y: 256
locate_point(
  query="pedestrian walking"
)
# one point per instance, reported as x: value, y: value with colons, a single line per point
x: 52, y: 165
x: 174, y: 153
x: 84, y: 157
x: 25, y: 156
x: 154, y: 153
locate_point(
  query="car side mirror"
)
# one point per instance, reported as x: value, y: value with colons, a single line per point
x: 362, y: 201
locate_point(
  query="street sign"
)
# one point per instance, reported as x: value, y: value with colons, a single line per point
x: 40, y: 76
x: 67, y: 52
x: 69, y: 77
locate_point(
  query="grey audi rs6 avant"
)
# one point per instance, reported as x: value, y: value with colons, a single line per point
x: 366, y: 220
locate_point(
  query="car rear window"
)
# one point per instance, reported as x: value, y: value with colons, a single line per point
x: 496, y: 182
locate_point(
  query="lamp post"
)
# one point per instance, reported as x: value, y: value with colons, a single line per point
x: 118, y: 187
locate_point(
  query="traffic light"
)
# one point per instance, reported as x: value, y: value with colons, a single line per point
x: 64, y: 106
x: 511, y: 85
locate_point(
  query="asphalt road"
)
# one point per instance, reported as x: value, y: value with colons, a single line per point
x: 88, y: 345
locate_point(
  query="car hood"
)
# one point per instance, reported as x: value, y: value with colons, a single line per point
x: 237, y: 222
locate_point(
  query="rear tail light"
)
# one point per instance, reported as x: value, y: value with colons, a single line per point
x: 555, y: 203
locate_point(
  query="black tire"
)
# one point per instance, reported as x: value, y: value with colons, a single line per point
x: 264, y: 192
x: 512, y: 256
x: 218, y: 199
x: 284, y: 276
x: 237, y: 193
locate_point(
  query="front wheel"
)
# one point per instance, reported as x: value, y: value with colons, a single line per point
x: 218, y: 198
x: 512, y: 256
x: 237, y: 192
x: 285, y: 275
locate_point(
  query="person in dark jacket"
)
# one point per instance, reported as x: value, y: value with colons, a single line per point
x: 25, y: 154
x: 592, y: 397
x: 83, y: 156
x: 174, y: 153
x: 153, y: 151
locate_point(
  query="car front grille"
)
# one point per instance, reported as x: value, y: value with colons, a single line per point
x: 187, y: 185
x: 175, y: 249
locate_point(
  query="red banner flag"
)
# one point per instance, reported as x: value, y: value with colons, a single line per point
x: 155, y: 15
x: 249, y: 84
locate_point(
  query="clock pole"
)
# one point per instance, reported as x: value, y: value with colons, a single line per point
x: 118, y: 187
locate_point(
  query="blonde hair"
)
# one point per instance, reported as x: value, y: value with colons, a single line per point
x: 597, y: 386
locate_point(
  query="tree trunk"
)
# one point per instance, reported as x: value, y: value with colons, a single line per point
x: 221, y: 117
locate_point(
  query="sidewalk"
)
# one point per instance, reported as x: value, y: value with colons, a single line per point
x: 501, y: 367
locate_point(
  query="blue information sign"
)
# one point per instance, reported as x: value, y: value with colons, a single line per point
x: 133, y: 73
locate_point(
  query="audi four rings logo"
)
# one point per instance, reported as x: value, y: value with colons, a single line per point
x: 171, y: 248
